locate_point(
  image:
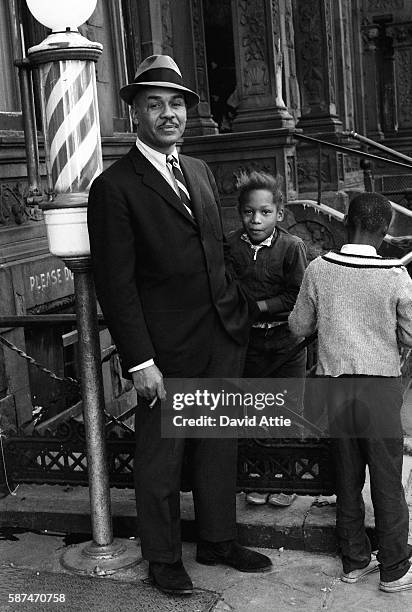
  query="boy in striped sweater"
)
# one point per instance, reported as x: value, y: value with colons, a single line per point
x: 361, y: 306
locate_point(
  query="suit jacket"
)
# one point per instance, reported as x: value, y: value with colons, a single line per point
x: 160, y: 274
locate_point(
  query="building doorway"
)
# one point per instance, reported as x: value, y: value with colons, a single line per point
x: 220, y: 61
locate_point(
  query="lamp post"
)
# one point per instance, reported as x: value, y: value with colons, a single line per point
x: 65, y: 61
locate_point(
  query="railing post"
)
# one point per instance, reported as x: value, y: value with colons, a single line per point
x: 368, y: 179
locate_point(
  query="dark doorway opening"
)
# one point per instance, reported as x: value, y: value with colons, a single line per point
x: 220, y: 61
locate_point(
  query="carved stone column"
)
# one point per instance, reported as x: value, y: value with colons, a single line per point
x: 402, y: 46
x: 189, y: 52
x: 155, y: 36
x: 292, y: 95
x: 258, y: 39
x: 372, y: 103
x: 316, y: 59
x: 176, y: 29
x: 344, y: 62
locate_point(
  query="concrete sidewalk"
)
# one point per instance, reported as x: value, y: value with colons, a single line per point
x: 302, y: 577
x: 298, y: 581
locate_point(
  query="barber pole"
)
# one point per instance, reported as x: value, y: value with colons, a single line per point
x: 67, y: 77
x: 71, y: 120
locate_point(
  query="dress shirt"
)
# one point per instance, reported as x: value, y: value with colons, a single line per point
x: 256, y: 247
x: 158, y: 160
x: 359, y: 249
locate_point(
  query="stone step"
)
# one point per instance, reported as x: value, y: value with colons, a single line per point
x: 308, y: 524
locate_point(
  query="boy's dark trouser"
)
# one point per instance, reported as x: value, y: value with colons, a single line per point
x: 264, y: 351
x: 365, y: 413
x: 158, y: 469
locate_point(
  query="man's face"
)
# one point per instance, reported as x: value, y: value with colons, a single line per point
x: 160, y: 116
x: 260, y: 215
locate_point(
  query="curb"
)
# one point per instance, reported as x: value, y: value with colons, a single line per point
x: 52, y: 508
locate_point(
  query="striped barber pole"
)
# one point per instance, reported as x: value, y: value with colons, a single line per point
x: 71, y: 121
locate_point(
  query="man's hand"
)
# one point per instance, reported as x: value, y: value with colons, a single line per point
x: 148, y: 383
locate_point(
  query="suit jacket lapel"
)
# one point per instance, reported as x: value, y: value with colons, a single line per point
x: 154, y: 180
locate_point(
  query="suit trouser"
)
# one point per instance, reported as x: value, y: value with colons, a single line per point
x: 365, y: 413
x: 158, y: 469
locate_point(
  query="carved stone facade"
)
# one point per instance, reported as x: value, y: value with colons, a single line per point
x: 319, y: 232
x: 370, y: 35
x: 189, y: 52
x: 315, y: 52
x: 401, y: 35
x: 14, y: 208
x: 259, y: 53
x: 230, y: 154
x: 291, y: 95
x: 344, y: 63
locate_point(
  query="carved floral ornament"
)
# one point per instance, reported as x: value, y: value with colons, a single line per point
x: 199, y: 44
x: 370, y: 35
x: 384, y: 5
x: 14, y: 209
x: 252, y: 21
x: 401, y: 33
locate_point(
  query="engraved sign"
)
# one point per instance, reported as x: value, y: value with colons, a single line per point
x: 46, y: 280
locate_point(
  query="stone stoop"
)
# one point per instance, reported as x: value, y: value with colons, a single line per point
x: 308, y: 524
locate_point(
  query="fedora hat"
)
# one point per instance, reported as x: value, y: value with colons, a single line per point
x: 158, y: 71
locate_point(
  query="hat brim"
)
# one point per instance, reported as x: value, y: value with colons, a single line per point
x: 128, y: 92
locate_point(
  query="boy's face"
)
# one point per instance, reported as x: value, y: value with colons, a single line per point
x: 260, y: 215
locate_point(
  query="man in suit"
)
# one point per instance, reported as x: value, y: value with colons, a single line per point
x: 173, y: 311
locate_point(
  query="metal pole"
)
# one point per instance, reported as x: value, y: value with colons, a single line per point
x: 91, y: 382
x: 350, y: 151
x: 378, y: 145
x: 30, y: 131
x: 102, y: 556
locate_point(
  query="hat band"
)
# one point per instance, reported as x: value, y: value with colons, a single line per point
x: 159, y: 74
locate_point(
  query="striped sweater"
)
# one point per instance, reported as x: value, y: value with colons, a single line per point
x: 361, y: 307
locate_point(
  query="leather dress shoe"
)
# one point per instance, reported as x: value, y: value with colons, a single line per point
x: 233, y: 554
x: 171, y: 578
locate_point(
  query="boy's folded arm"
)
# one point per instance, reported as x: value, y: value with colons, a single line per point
x: 404, y: 312
x: 303, y: 318
x: 294, y: 270
x: 283, y: 302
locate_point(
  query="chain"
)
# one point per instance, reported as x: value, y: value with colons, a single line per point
x: 33, y: 362
x: 3, y: 457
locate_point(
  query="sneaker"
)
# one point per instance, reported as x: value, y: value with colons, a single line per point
x: 356, y: 574
x: 257, y: 499
x: 398, y: 585
x: 281, y: 499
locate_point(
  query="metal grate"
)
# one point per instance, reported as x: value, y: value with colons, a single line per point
x: 60, y: 458
x: 75, y: 593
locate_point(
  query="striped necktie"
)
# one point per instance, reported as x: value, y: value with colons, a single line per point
x: 180, y: 181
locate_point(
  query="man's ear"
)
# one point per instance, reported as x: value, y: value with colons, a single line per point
x: 280, y: 214
x: 133, y: 114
